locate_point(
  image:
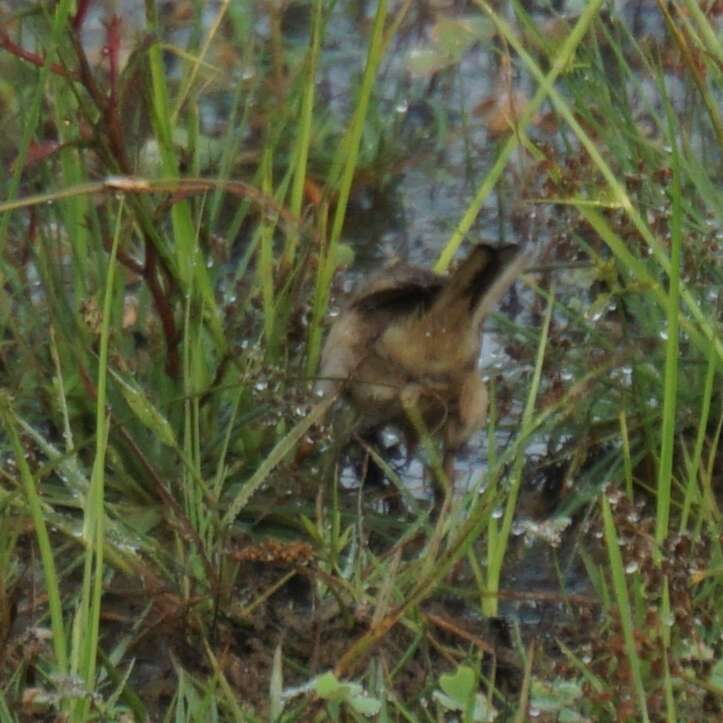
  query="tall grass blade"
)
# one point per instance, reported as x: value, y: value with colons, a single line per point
x: 500, y: 539
x: 86, y: 624
x: 670, y: 379
x: 622, y: 601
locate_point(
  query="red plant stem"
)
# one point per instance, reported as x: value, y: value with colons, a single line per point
x: 34, y: 58
x: 80, y: 14
x: 165, y: 312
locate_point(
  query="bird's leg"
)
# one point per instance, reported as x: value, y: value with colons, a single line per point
x: 410, y: 397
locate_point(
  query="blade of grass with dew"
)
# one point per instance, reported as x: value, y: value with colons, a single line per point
x: 619, y: 194
x: 52, y: 584
x: 694, y: 464
x: 86, y: 624
x: 265, y: 259
x: 562, y: 60
x: 283, y: 447
x: 304, y: 126
x: 190, y: 417
x: 350, y: 144
x: 493, y: 525
x: 627, y: 463
x: 501, y: 537
x: 670, y: 379
x: 667, y: 617
x: 622, y: 601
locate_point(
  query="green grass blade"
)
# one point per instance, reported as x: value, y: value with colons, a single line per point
x: 276, y: 456
x: 501, y: 538
x: 52, y: 582
x: 623, y: 603
x: 86, y: 625
x: 670, y: 380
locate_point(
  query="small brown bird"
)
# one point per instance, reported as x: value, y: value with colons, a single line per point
x: 410, y: 338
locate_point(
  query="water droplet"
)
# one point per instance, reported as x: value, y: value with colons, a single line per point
x: 632, y: 567
x: 498, y: 512
x: 261, y: 386
x: 402, y: 106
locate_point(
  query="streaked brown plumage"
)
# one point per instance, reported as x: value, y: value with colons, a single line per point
x: 411, y: 336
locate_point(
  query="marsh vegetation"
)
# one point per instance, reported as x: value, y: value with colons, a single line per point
x: 191, y: 191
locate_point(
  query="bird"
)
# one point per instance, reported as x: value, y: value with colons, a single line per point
x: 404, y: 350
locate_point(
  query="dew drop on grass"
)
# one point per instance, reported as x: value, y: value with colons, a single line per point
x: 498, y: 512
x: 261, y: 386
x: 627, y: 375
x: 402, y: 106
x: 632, y: 567
x: 390, y: 437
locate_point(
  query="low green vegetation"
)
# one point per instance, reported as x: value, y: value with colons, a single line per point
x: 182, y: 535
